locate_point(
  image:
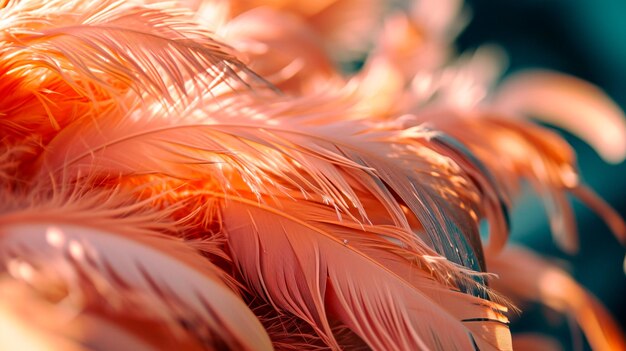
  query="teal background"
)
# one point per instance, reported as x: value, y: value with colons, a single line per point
x: 586, y: 38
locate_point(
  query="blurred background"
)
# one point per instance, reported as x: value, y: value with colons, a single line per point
x: 586, y: 39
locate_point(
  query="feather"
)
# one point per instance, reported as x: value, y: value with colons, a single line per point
x: 515, y: 151
x: 509, y: 147
x: 283, y: 49
x: 89, y: 54
x: 286, y: 150
x: 536, y: 279
x: 106, y: 246
x: 570, y: 103
x: 494, y: 202
x: 150, y: 47
x: 156, y: 193
x: 272, y: 247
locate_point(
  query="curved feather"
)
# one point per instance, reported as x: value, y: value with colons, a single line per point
x: 287, y: 145
x: 66, y: 60
x: 514, y: 151
x: 570, y: 103
x: 493, y: 198
x: 526, y: 276
x: 93, y: 243
x: 365, y: 231
x: 417, y: 264
x: 311, y: 271
x: 110, y: 42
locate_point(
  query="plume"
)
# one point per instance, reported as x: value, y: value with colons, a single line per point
x: 66, y: 60
x: 570, y: 103
x: 99, y: 242
x: 202, y: 175
x: 540, y: 281
x: 297, y: 153
x: 332, y: 274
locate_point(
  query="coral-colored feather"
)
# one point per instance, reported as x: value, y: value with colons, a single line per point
x: 157, y: 193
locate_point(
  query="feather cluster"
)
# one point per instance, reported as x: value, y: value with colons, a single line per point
x: 200, y: 175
